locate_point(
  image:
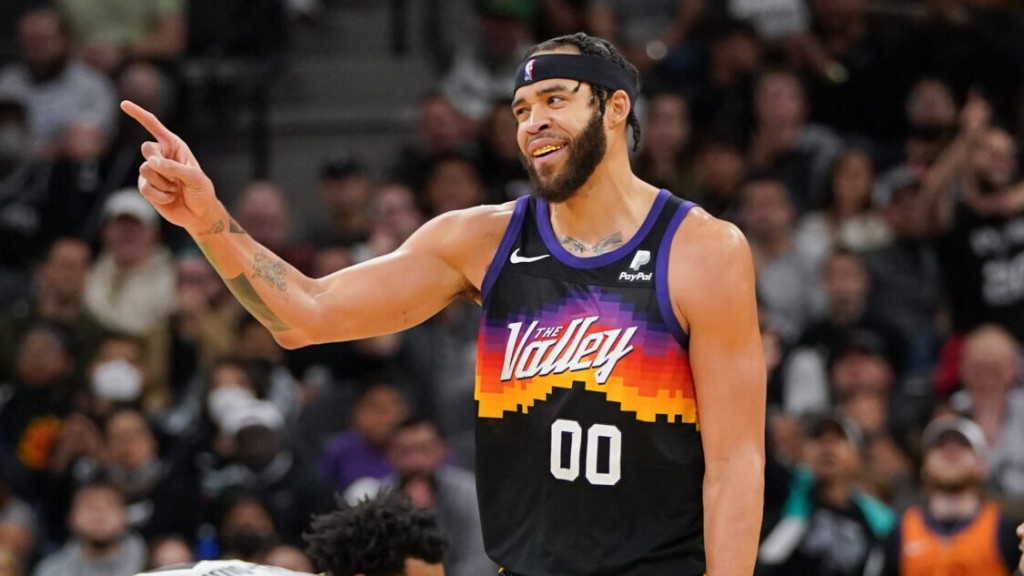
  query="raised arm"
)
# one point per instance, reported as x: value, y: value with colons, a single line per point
x: 712, y: 280
x: 377, y: 297
x: 951, y: 165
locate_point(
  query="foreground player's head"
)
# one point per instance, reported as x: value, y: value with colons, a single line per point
x: 569, y: 91
x: 382, y: 536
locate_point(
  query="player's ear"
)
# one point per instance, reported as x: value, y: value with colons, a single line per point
x: 617, y: 108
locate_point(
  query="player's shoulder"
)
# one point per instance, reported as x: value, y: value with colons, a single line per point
x: 708, y: 237
x: 480, y: 218
x: 470, y: 227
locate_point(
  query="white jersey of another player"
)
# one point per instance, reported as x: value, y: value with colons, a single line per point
x: 222, y: 568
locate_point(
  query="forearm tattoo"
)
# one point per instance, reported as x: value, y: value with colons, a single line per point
x: 218, y: 227
x: 602, y: 246
x: 270, y: 270
x: 215, y: 228
x: 246, y: 294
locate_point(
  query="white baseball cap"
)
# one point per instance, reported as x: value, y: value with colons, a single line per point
x: 128, y: 202
x: 952, y: 424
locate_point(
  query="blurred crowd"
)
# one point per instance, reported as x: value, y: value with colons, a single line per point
x: 870, y: 151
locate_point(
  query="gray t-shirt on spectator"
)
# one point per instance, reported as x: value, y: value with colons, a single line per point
x: 79, y: 95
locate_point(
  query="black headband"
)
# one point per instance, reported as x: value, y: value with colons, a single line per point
x: 592, y: 69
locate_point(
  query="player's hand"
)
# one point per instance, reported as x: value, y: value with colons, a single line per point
x: 171, y: 178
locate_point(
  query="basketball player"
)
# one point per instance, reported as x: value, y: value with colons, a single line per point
x: 620, y: 377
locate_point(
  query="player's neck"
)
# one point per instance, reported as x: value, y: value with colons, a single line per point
x: 613, y: 201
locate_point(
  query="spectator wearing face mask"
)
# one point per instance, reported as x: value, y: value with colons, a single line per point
x: 270, y: 471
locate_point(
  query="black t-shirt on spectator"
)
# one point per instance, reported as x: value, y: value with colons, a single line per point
x: 983, y: 269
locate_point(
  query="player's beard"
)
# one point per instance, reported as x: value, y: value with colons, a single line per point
x: 585, y: 152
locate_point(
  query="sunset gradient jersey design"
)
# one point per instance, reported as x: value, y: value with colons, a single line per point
x: 651, y: 380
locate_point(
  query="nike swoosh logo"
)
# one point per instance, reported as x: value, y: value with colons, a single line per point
x: 517, y: 259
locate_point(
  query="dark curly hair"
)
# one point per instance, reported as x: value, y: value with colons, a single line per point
x: 374, y: 537
x: 594, y: 46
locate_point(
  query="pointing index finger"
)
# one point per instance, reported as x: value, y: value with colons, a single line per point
x: 148, y: 121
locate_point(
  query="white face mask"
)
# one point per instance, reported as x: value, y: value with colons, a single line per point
x: 224, y: 400
x: 117, y: 380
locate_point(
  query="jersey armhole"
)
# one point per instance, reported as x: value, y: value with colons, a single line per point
x: 504, y: 249
x: 661, y: 276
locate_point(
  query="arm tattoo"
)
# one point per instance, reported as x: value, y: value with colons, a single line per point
x: 606, y: 244
x: 246, y: 294
x: 215, y: 228
x: 270, y: 269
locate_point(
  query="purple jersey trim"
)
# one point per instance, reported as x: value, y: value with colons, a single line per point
x: 661, y: 277
x: 504, y: 249
x: 563, y: 255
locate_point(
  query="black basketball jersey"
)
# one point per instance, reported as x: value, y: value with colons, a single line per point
x: 589, y: 455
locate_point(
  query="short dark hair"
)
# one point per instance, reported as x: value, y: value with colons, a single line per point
x: 374, y: 537
x: 594, y: 46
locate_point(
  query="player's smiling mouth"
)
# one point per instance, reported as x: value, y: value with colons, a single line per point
x: 545, y: 150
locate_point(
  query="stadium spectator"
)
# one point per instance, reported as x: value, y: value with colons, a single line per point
x: 102, y: 541
x: 665, y: 152
x: 116, y: 33
x: 246, y: 529
x: 847, y: 219
x: 419, y: 455
x: 655, y: 36
x: 786, y: 284
x: 168, y: 550
x: 453, y: 182
x: 131, y: 285
x: 59, y: 283
x: 160, y: 493
x: 201, y: 329
x: 976, y: 201
x: 786, y: 145
x: 270, y: 471
x: 955, y: 529
x: 484, y: 64
x: 905, y: 281
x: 37, y: 399
x: 58, y: 90
x: 262, y: 210
x: 361, y: 452
x: 344, y: 188
x: 19, y: 530
x: 828, y: 527
x: 989, y: 373
x: 441, y: 129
